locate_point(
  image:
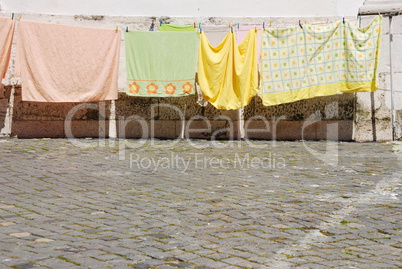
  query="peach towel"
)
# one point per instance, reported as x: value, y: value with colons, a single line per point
x: 6, y: 39
x: 60, y: 63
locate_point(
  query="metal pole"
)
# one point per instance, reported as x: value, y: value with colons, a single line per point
x: 393, y: 116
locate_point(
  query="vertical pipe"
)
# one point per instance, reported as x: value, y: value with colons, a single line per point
x: 391, y: 78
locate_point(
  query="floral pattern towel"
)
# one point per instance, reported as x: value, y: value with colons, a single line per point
x: 161, y: 64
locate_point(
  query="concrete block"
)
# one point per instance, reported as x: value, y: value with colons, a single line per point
x: 383, y: 131
x: 38, y: 129
x: 335, y: 130
x: 382, y: 101
x: 385, y: 26
x: 396, y: 26
x: 397, y: 78
x: 364, y: 131
x: 367, y: 101
x: 163, y: 129
x: 384, y: 54
x: 89, y: 128
x: 345, y: 130
x: 3, y: 106
x: 384, y: 81
x: 258, y: 129
x: 132, y: 129
x: 363, y: 100
x: 148, y: 129
x: 397, y: 53
x: 309, y: 130
x: 292, y: 130
x: 222, y: 129
x: 217, y: 129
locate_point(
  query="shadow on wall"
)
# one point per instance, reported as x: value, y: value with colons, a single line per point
x: 321, y: 118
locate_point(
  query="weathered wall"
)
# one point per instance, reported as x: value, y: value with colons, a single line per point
x: 373, y: 117
x: 187, y: 8
x: 316, y: 119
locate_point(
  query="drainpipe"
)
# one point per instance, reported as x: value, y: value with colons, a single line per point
x: 393, y: 116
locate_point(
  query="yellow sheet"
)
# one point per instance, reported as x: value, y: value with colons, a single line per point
x: 300, y: 63
x: 228, y: 73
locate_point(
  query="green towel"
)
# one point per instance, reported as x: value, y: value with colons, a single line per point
x: 161, y: 64
x: 174, y: 27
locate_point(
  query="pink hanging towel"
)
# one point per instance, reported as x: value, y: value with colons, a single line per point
x: 60, y: 63
x: 6, y: 41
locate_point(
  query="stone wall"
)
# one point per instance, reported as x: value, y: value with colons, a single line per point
x: 373, y: 119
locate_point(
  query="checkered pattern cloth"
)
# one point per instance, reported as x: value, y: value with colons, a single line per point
x: 309, y: 61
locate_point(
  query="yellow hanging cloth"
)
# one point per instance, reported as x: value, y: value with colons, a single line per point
x: 228, y: 73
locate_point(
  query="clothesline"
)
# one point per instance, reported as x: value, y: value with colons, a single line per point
x: 237, y: 25
x: 298, y: 62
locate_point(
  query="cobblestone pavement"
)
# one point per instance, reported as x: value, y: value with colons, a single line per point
x: 172, y: 204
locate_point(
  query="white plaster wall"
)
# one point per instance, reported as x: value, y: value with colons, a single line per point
x: 187, y: 8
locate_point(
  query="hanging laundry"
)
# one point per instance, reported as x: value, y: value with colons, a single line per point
x: 6, y: 39
x: 60, y: 63
x: 228, y: 73
x: 300, y: 63
x: 200, y: 99
x: 243, y: 31
x: 161, y: 64
x: 179, y: 28
x: 215, y: 33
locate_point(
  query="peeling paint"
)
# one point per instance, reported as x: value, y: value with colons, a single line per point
x: 89, y: 18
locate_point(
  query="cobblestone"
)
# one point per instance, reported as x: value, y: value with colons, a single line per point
x: 174, y: 205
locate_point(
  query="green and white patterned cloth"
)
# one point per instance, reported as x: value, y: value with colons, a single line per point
x: 161, y: 64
